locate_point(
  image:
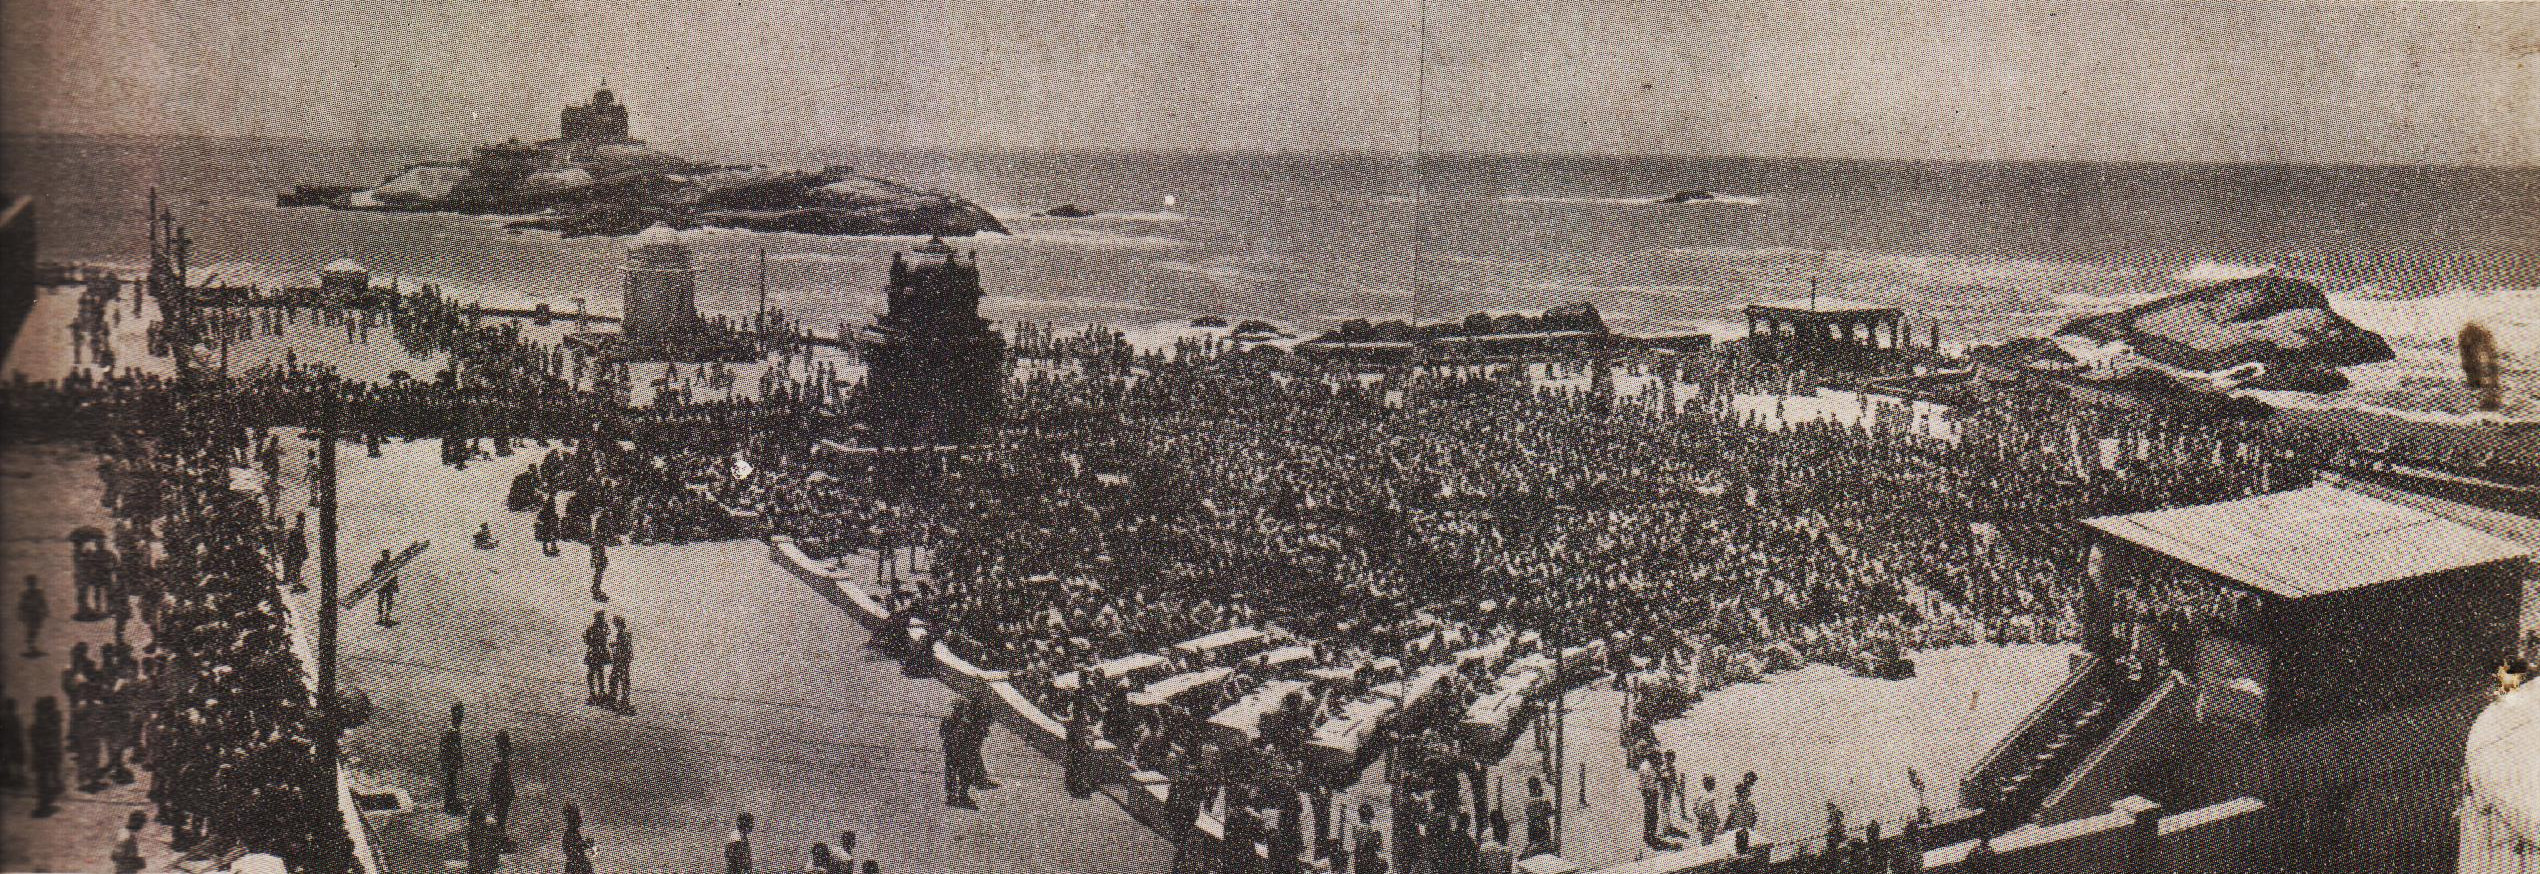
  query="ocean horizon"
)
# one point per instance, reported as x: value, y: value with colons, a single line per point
x: 1985, y: 251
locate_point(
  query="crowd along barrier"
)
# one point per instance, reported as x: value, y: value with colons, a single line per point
x: 1142, y: 794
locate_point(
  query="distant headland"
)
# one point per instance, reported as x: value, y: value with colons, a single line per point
x: 594, y: 179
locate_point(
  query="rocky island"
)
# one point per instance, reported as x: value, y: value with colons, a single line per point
x: 595, y: 180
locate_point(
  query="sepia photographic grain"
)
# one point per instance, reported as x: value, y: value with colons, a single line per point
x: 1269, y: 437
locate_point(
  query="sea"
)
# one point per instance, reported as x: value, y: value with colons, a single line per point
x: 1983, y: 251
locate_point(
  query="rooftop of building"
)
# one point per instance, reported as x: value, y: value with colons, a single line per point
x: 657, y: 235
x: 2312, y: 541
x: 1831, y: 306
x: 343, y: 265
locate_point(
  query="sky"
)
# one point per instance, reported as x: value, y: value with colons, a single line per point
x: 2407, y: 82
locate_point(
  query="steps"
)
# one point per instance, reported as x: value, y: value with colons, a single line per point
x: 2012, y: 785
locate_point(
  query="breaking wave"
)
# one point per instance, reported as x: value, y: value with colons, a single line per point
x: 2211, y: 272
x: 1719, y: 200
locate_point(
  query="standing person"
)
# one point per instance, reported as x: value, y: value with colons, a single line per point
x: 622, y: 670
x: 115, y: 719
x: 12, y: 745
x: 1539, y: 836
x: 736, y: 848
x: 295, y: 553
x: 577, y: 849
x: 952, y: 733
x: 450, y: 760
x: 1079, y: 738
x: 1496, y: 856
x: 599, y: 563
x: 45, y: 755
x: 1742, y: 817
x: 117, y: 591
x: 824, y: 860
x: 127, y: 855
x: 974, y: 756
x: 499, y: 789
x: 1651, y: 799
x: 482, y: 855
x: 1706, y: 810
x: 387, y: 600
x: 88, y: 602
x: 32, y: 611
x: 83, y: 737
x: 595, y: 658
x: 545, y: 528
x: 1457, y: 853
x: 1367, y: 855
x: 1671, y: 792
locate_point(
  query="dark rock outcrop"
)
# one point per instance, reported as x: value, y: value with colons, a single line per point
x: 1581, y: 317
x: 832, y: 202
x: 2280, y: 322
x: 835, y: 201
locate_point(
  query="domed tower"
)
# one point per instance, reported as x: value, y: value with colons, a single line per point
x: 661, y: 286
x: 933, y: 368
x: 602, y: 119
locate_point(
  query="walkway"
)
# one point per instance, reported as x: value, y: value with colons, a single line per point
x: 752, y: 694
x: 45, y: 491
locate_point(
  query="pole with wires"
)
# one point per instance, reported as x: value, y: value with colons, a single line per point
x: 330, y: 718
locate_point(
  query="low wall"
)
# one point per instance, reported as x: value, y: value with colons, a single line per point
x: 2091, y: 845
x: 1141, y: 793
x: 1142, y: 796
x: 2232, y: 836
x: 2226, y: 838
x: 831, y: 583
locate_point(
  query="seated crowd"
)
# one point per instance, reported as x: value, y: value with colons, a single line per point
x: 1394, y: 522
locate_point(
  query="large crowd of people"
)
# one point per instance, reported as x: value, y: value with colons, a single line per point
x: 1373, y: 519
x: 1381, y: 523
x: 1136, y: 512
x: 213, y: 706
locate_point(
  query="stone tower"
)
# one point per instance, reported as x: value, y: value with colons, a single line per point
x: 661, y: 287
x: 601, y: 120
x: 933, y: 369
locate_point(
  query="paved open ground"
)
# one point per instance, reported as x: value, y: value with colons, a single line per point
x: 1810, y: 735
x: 752, y: 694
x: 45, y: 492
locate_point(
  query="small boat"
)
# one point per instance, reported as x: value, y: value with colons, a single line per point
x: 1695, y: 196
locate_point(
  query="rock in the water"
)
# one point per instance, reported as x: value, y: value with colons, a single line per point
x: 572, y: 202
x: 2279, y: 321
x: 1068, y: 210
